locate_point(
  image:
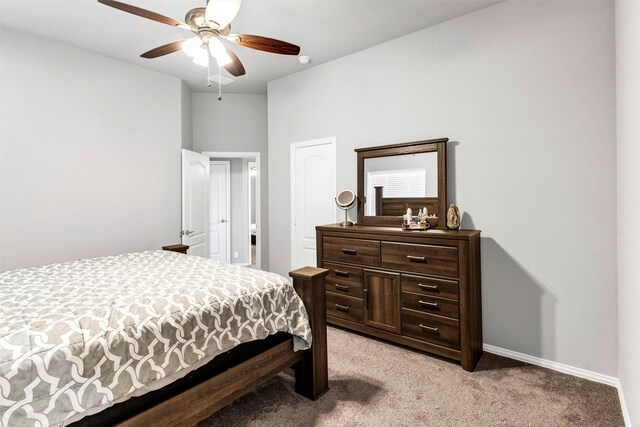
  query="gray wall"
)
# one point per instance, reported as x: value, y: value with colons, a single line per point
x: 237, y: 123
x: 628, y: 90
x: 526, y: 92
x: 186, y: 116
x: 89, y: 154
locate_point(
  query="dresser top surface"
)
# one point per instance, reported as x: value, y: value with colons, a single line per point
x: 451, y: 234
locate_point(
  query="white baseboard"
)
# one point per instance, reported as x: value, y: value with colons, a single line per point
x: 578, y: 372
x: 623, y: 404
x: 242, y: 264
x: 571, y: 370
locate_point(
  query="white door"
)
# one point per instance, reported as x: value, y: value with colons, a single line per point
x: 219, y: 210
x: 195, y: 202
x: 313, y: 188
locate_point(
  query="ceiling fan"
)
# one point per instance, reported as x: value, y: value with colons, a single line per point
x: 210, y: 24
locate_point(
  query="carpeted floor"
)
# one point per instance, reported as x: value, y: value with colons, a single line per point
x: 373, y: 383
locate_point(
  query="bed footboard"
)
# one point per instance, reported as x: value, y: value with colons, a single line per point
x: 312, y: 378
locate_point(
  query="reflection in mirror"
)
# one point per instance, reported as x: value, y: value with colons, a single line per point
x: 395, y: 183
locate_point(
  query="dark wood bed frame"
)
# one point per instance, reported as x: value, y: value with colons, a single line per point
x: 309, y: 367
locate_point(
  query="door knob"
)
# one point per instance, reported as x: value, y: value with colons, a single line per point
x: 223, y: 221
x: 186, y: 233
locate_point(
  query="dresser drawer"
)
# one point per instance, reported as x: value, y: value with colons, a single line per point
x: 353, y: 251
x: 344, y: 307
x: 430, y: 286
x: 423, y: 303
x: 428, y: 259
x: 431, y: 328
x: 344, y: 280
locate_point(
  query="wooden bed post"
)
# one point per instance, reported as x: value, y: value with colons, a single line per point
x: 379, y: 190
x: 312, y: 377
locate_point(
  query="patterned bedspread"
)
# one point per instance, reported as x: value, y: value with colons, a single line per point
x: 81, y: 334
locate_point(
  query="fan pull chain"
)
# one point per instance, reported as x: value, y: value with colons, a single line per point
x: 219, y: 78
x: 219, y: 85
x: 208, y: 70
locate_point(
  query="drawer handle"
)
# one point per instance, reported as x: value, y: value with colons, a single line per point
x: 428, y: 328
x: 349, y: 251
x: 430, y: 304
x: 342, y: 287
x: 344, y: 308
x: 430, y: 287
x: 342, y: 273
x: 413, y: 258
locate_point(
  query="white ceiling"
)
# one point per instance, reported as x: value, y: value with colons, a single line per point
x: 324, y: 29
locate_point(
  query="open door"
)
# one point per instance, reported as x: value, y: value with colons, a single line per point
x: 195, y: 202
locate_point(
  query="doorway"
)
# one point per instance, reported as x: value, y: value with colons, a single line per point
x: 253, y: 171
x: 243, y: 219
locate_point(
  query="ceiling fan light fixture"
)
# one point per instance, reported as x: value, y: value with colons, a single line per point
x: 219, y: 52
x: 192, y: 47
x: 222, y: 12
x: 202, y: 59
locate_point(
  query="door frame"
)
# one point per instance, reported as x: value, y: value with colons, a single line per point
x: 244, y: 155
x: 228, y: 205
x: 250, y: 204
x: 330, y: 140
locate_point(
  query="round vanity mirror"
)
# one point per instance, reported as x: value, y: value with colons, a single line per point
x: 345, y: 201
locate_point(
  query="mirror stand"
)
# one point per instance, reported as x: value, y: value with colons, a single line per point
x: 346, y: 222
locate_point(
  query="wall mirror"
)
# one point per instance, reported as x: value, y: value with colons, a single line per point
x: 392, y: 178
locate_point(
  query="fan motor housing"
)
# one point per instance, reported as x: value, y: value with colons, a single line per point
x: 195, y: 17
x: 206, y: 32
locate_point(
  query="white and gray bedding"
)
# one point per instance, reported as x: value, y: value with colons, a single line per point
x: 82, y: 334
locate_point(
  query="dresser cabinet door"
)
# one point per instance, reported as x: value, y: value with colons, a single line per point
x: 382, y: 300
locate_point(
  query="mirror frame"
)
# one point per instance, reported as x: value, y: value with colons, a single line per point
x: 432, y: 145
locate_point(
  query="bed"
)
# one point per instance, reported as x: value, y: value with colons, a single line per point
x: 82, y: 339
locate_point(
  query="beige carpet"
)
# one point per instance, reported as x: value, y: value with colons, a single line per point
x: 373, y: 383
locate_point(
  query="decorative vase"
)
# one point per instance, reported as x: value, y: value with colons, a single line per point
x: 453, y: 217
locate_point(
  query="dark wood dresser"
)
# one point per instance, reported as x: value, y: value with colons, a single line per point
x: 416, y: 288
